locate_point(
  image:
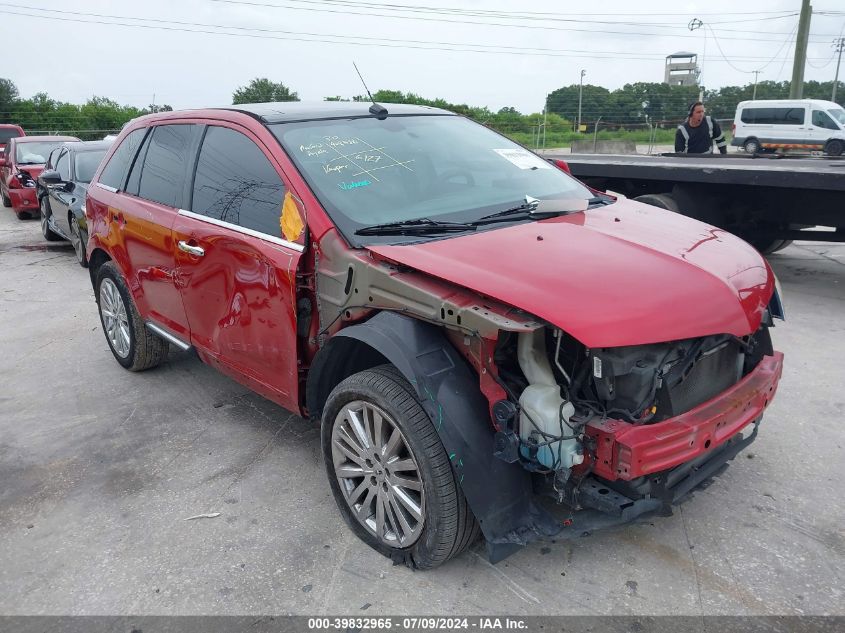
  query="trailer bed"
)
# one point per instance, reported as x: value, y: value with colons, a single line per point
x: 804, y: 172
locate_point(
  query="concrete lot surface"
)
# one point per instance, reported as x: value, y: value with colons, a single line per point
x: 100, y: 468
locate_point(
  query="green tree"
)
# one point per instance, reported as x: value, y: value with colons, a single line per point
x: 153, y: 108
x: 8, y: 97
x: 262, y: 90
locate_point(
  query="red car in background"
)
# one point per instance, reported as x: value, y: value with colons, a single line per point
x: 8, y: 131
x: 25, y: 158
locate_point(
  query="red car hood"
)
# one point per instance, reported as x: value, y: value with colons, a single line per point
x: 625, y: 274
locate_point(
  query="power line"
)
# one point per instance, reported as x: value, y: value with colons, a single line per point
x: 255, y: 33
x: 521, y: 15
x: 497, y: 24
x: 380, y: 6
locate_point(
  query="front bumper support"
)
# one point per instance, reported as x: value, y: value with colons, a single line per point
x: 626, y: 452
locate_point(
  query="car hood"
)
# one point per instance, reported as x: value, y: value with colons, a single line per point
x: 32, y: 170
x: 625, y: 274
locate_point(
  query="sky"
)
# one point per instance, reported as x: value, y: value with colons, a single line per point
x: 497, y: 53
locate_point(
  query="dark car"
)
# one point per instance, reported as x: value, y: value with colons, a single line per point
x: 61, y: 190
x: 8, y: 131
x: 25, y: 159
x: 472, y: 326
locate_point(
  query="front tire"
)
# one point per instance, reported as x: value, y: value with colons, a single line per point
x: 46, y: 231
x: 79, y: 240
x: 834, y: 148
x: 389, y: 473
x: 132, y: 344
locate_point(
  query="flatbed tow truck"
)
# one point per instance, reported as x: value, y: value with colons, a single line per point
x: 767, y: 199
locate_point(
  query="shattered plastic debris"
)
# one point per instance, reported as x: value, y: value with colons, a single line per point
x: 210, y: 515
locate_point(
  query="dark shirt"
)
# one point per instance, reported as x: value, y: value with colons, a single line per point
x: 700, y: 141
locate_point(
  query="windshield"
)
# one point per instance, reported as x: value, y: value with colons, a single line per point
x: 367, y: 172
x: 34, y: 153
x: 86, y: 164
x: 838, y: 115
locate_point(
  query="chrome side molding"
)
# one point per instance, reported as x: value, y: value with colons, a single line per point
x: 167, y: 336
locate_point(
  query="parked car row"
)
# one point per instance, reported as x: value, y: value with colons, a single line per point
x: 49, y: 176
x: 472, y: 327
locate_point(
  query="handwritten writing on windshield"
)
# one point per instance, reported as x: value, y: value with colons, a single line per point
x: 352, y: 157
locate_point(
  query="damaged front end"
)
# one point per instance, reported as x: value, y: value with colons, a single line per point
x: 548, y: 437
x: 613, y: 434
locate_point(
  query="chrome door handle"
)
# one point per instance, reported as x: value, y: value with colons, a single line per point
x: 196, y: 251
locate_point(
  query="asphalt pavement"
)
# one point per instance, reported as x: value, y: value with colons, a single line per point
x: 101, y: 468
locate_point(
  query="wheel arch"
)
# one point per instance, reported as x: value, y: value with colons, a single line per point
x: 499, y: 493
x: 95, y: 261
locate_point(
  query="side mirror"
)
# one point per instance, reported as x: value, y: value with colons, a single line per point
x: 50, y: 177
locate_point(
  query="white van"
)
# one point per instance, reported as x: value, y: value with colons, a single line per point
x: 809, y: 124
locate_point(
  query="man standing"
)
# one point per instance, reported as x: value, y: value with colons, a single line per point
x: 697, y: 134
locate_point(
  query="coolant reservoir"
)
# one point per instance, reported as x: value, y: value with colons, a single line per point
x: 542, y: 404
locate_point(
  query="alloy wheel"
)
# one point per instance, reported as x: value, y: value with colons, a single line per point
x: 45, y: 225
x: 378, y: 474
x: 115, y: 321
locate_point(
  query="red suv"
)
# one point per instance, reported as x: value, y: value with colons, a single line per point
x: 25, y: 158
x: 8, y: 131
x: 473, y: 327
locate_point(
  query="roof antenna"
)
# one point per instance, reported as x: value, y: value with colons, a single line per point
x: 379, y: 111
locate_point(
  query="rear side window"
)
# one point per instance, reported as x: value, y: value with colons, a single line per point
x: 164, y: 172
x: 7, y: 133
x: 134, y: 180
x: 114, y: 172
x: 236, y: 183
x: 773, y: 116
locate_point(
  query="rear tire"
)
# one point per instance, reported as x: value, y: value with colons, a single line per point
x: 661, y: 200
x: 752, y: 146
x: 80, y: 241
x: 781, y: 246
x: 6, y: 201
x: 767, y: 247
x: 46, y: 231
x: 371, y: 422
x: 132, y: 344
x: 834, y: 148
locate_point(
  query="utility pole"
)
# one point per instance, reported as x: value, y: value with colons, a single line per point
x: 756, y: 72
x: 839, y: 44
x: 796, y: 88
x: 581, y: 90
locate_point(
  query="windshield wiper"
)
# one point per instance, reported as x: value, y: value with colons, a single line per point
x: 419, y: 226
x: 538, y: 209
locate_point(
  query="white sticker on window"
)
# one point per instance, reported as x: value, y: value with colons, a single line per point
x: 523, y: 159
